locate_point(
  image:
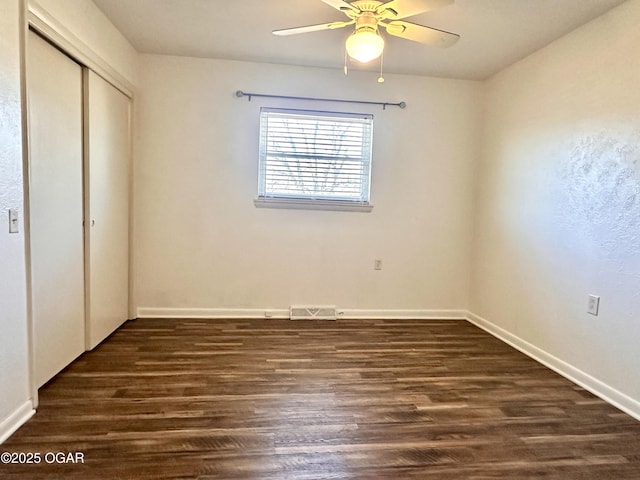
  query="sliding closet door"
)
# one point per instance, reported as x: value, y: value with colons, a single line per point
x: 107, y: 176
x: 55, y: 207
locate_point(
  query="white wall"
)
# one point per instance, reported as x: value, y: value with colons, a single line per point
x: 559, y: 203
x: 201, y: 242
x: 14, y: 361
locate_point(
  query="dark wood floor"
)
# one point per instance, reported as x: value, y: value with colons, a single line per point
x: 271, y: 399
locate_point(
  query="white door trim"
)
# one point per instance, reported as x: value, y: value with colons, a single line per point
x: 44, y: 23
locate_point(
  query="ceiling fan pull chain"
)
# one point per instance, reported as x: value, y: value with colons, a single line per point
x: 346, y: 70
x: 381, y: 78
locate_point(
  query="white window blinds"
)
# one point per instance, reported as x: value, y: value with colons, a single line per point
x: 315, y: 155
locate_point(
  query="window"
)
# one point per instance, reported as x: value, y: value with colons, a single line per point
x: 310, y: 158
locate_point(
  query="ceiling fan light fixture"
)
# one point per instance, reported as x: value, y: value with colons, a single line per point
x: 364, y: 45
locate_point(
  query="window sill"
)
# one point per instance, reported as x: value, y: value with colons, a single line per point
x: 309, y: 204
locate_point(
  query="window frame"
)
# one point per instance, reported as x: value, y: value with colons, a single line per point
x: 273, y: 199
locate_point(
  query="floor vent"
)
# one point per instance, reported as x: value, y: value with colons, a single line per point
x: 312, y: 312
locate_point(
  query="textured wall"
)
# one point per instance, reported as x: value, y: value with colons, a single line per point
x: 201, y: 242
x: 599, y: 203
x: 559, y: 200
x: 14, y: 372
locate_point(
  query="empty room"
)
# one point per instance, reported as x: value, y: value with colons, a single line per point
x: 330, y: 239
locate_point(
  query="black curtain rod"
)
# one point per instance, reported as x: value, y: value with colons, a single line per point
x: 384, y: 105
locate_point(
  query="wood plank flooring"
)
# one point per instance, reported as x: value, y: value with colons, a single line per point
x: 276, y: 399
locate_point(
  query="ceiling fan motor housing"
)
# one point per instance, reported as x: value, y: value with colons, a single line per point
x: 367, y: 21
x: 366, y: 5
x: 368, y: 10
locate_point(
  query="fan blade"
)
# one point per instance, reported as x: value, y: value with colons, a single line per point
x: 419, y: 33
x: 397, y: 9
x: 341, y: 5
x: 312, y: 28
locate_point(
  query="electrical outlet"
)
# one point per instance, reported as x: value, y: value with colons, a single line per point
x: 377, y: 264
x: 594, y: 305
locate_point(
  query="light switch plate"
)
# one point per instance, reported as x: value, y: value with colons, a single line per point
x: 13, y: 221
x: 594, y: 304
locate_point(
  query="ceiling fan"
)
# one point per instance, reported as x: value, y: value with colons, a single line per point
x: 365, y: 43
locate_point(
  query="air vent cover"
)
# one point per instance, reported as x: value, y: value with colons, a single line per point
x: 312, y: 312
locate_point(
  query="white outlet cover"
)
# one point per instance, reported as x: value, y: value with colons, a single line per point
x: 594, y: 304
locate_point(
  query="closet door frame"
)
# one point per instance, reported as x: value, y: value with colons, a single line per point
x: 34, y: 17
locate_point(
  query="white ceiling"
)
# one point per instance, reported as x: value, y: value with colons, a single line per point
x: 494, y: 33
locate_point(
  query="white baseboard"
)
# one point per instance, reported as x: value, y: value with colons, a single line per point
x: 14, y: 421
x: 577, y: 376
x: 212, y: 313
x: 374, y: 314
x: 402, y: 314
